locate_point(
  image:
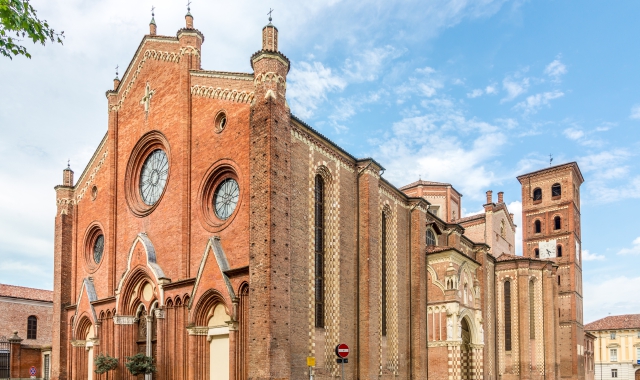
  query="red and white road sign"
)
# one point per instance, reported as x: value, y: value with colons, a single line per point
x: 342, y: 350
x: 32, y: 371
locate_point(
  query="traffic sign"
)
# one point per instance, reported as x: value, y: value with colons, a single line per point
x: 32, y: 371
x: 342, y: 350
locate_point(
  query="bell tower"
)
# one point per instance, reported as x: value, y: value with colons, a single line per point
x: 551, y: 231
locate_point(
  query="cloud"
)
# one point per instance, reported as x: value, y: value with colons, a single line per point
x: 491, y: 89
x: 634, y: 250
x: 366, y: 65
x: 610, y: 296
x: 588, y: 256
x: 465, y: 148
x: 515, y: 208
x: 514, y: 88
x: 426, y: 83
x: 635, y: 112
x: 555, y: 70
x: 475, y: 93
x: 535, y: 102
x: 573, y: 133
x: 310, y: 83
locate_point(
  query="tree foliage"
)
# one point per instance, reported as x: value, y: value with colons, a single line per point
x: 18, y: 20
x: 105, y: 363
x: 140, y: 364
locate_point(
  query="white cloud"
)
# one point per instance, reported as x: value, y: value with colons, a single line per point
x: 533, y: 103
x: 426, y: 83
x: 588, y: 256
x: 634, y: 250
x: 515, y: 208
x: 309, y: 85
x: 442, y: 145
x: 366, y: 65
x: 573, y: 133
x: 514, y: 87
x: 610, y: 296
x: 475, y: 93
x: 635, y: 112
x: 491, y: 89
x: 555, y: 70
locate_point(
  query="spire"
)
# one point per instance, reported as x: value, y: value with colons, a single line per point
x: 116, y: 80
x: 152, y: 24
x: 67, y: 175
x: 270, y: 35
x: 188, y: 17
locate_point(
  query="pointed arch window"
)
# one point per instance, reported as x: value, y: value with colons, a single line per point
x: 557, y: 223
x: 532, y: 311
x: 32, y: 327
x: 319, y: 250
x: 383, y: 279
x: 507, y: 315
x: 431, y: 237
x: 538, y: 226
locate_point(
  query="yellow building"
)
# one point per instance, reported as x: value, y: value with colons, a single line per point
x: 617, y: 346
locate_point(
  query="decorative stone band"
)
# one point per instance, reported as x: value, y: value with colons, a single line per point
x: 124, y: 320
x: 198, y: 330
x: 222, y: 93
x: 270, y: 77
x: 78, y: 343
x: 266, y: 54
x: 158, y: 56
x: 92, y: 176
x: 159, y: 313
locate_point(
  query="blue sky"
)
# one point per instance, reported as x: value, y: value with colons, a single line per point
x: 468, y: 92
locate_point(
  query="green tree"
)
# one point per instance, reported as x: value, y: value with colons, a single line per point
x: 19, y: 17
x: 140, y: 364
x: 105, y: 363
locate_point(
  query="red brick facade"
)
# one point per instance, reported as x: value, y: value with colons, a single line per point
x: 294, y: 269
x: 28, y: 343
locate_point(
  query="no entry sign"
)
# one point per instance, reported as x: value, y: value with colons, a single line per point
x: 342, y: 350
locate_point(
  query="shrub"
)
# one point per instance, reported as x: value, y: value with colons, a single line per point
x: 105, y: 363
x: 140, y: 364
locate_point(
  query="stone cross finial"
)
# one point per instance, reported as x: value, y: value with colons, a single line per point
x: 146, y: 99
x: 269, y: 13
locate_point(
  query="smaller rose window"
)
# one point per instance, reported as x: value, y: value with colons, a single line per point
x: 98, y: 249
x: 226, y: 197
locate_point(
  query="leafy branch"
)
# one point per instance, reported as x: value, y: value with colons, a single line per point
x: 18, y: 17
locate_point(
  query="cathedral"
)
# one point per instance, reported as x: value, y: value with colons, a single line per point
x: 220, y: 235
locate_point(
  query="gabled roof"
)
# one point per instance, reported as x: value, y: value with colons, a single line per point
x: 471, y: 217
x: 615, y: 322
x: 26, y: 293
x: 573, y: 165
x: 429, y: 183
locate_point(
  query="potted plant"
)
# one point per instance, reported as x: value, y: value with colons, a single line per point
x: 105, y: 363
x: 140, y: 364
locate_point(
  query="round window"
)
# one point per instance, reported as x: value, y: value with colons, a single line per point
x: 226, y: 198
x: 98, y: 249
x: 153, y: 176
x: 220, y: 121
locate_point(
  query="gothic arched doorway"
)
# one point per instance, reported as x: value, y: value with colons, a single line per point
x: 466, y: 368
x: 219, y: 343
x: 638, y: 374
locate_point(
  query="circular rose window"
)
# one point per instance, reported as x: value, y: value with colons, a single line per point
x: 226, y: 197
x: 98, y: 249
x: 153, y: 176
